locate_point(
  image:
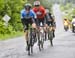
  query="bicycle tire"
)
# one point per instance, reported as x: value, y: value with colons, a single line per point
x: 50, y: 36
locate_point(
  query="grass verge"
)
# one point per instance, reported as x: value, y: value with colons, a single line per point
x: 10, y: 36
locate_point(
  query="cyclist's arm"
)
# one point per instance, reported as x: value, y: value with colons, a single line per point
x: 72, y: 21
x: 46, y: 19
x: 34, y: 16
x: 43, y: 12
x: 22, y: 17
x: 22, y: 14
x: 51, y: 16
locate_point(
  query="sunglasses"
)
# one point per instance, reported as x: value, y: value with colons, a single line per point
x: 36, y: 5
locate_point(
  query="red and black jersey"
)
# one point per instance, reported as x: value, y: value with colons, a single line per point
x: 40, y: 12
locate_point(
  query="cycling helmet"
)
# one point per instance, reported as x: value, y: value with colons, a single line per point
x: 73, y: 16
x: 27, y: 6
x: 65, y: 19
x: 37, y: 3
x: 47, y: 10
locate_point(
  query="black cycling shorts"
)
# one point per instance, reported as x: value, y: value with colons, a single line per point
x: 38, y: 21
x: 26, y: 23
x: 50, y: 23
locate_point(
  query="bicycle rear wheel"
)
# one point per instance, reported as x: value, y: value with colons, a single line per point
x: 50, y: 37
x: 41, y: 40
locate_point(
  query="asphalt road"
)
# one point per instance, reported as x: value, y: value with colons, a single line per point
x: 64, y: 47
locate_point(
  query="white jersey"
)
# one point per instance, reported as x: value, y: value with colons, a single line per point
x: 73, y: 20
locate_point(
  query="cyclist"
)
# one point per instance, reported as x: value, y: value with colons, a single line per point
x: 73, y: 20
x: 66, y: 22
x: 40, y: 12
x: 73, y: 24
x: 50, y: 20
x: 28, y: 12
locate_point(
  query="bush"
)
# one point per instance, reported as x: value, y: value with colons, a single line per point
x: 68, y: 10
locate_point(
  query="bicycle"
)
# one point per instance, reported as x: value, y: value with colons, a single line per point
x: 30, y: 36
x: 50, y: 34
x: 31, y: 40
x: 41, y: 36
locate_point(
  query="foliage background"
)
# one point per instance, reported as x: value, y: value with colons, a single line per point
x: 68, y: 10
x: 12, y: 8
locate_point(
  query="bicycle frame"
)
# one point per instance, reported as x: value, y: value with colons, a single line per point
x: 41, y: 36
x: 30, y: 40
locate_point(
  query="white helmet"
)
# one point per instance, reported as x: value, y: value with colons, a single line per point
x: 36, y: 3
x: 47, y: 10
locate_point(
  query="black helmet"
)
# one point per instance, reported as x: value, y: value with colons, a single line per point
x: 65, y: 19
x: 28, y: 6
x: 73, y: 16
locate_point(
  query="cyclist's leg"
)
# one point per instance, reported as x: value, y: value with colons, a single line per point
x: 45, y: 29
x: 53, y: 28
x: 38, y: 24
x: 49, y: 25
x: 25, y: 26
x: 38, y: 29
x: 26, y: 34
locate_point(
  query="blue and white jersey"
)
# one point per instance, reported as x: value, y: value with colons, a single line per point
x: 31, y: 14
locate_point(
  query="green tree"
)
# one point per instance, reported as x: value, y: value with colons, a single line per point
x: 12, y: 8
